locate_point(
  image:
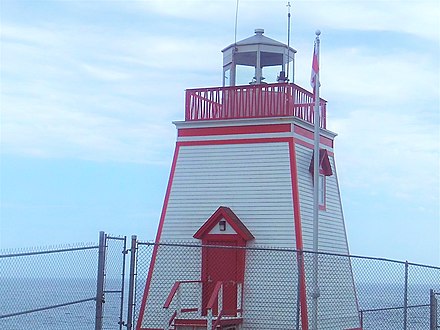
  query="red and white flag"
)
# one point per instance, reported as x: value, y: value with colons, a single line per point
x: 314, y: 80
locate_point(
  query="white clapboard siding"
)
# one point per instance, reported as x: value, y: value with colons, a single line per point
x: 337, y: 292
x: 270, y: 295
x: 172, y: 264
x: 254, y: 180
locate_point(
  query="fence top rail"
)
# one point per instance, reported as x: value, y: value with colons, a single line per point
x: 48, y: 307
x: 56, y: 250
x: 392, y: 308
x: 195, y: 245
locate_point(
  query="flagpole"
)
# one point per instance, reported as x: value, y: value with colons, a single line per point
x: 315, y: 291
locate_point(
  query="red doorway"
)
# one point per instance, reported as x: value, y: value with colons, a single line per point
x: 221, y: 265
x: 223, y: 237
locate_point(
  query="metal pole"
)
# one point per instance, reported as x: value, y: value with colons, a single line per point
x: 405, y: 299
x: 433, y: 310
x: 209, y: 319
x: 315, y: 292
x: 121, y: 307
x: 288, y: 41
x: 131, y: 282
x: 100, y: 281
x: 298, y: 300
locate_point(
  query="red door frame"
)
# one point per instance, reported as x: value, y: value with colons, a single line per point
x: 234, y: 273
x: 239, y: 238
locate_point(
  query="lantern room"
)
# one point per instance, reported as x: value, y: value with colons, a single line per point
x: 257, y: 59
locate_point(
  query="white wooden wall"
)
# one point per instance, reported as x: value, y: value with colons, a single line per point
x: 336, y: 285
x: 254, y: 181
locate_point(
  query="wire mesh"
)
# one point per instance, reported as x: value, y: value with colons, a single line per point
x: 115, y: 283
x: 55, y: 288
x: 353, y: 290
x: 52, y: 288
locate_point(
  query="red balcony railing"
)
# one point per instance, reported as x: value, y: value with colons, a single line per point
x: 252, y: 101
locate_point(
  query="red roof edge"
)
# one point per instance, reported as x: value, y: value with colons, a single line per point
x: 231, y: 218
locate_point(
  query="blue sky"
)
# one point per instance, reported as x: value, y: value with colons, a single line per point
x: 89, y: 90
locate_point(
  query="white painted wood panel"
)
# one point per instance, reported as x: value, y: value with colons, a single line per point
x: 254, y: 181
x: 336, y: 285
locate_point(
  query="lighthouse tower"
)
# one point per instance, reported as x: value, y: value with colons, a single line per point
x: 236, y: 224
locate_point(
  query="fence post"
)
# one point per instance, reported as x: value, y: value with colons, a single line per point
x: 100, y: 281
x: 131, y: 282
x: 362, y: 318
x: 121, y: 308
x: 298, y: 295
x: 405, y: 299
x: 209, y: 319
x: 433, y: 310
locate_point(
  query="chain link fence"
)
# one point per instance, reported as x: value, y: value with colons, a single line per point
x: 57, y: 288
x: 388, y: 294
x: 51, y: 288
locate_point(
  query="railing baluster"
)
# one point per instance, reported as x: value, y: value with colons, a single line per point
x: 254, y: 101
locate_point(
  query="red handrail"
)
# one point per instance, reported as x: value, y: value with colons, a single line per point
x: 217, y: 322
x: 252, y: 101
x: 209, y: 306
x: 173, y: 291
x: 211, y: 302
x: 171, y: 295
x: 214, y: 295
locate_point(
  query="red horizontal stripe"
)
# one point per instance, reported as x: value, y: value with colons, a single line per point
x: 310, y: 146
x: 248, y: 129
x: 309, y: 134
x: 232, y: 141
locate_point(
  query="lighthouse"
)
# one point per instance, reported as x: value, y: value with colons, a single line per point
x: 234, y: 239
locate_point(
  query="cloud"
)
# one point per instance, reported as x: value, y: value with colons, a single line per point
x: 105, y: 73
x: 76, y: 79
x: 395, y: 155
x: 418, y: 18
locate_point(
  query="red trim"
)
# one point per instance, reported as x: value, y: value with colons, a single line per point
x: 323, y: 206
x: 309, y: 134
x: 171, y: 294
x: 172, y: 318
x: 233, y: 141
x: 225, y: 237
x: 224, y: 213
x: 310, y: 146
x: 159, y: 232
x: 298, y: 234
x: 251, y: 101
x: 202, y: 322
x: 193, y: 322
x: 214, y: 295
x: 248, y: 129
x: 297, y: 217
x: 189, y: 310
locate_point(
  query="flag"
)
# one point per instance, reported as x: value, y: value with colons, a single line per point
x: 315, y: 67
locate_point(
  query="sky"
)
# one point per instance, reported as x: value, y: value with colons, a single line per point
x: 89, y: 91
